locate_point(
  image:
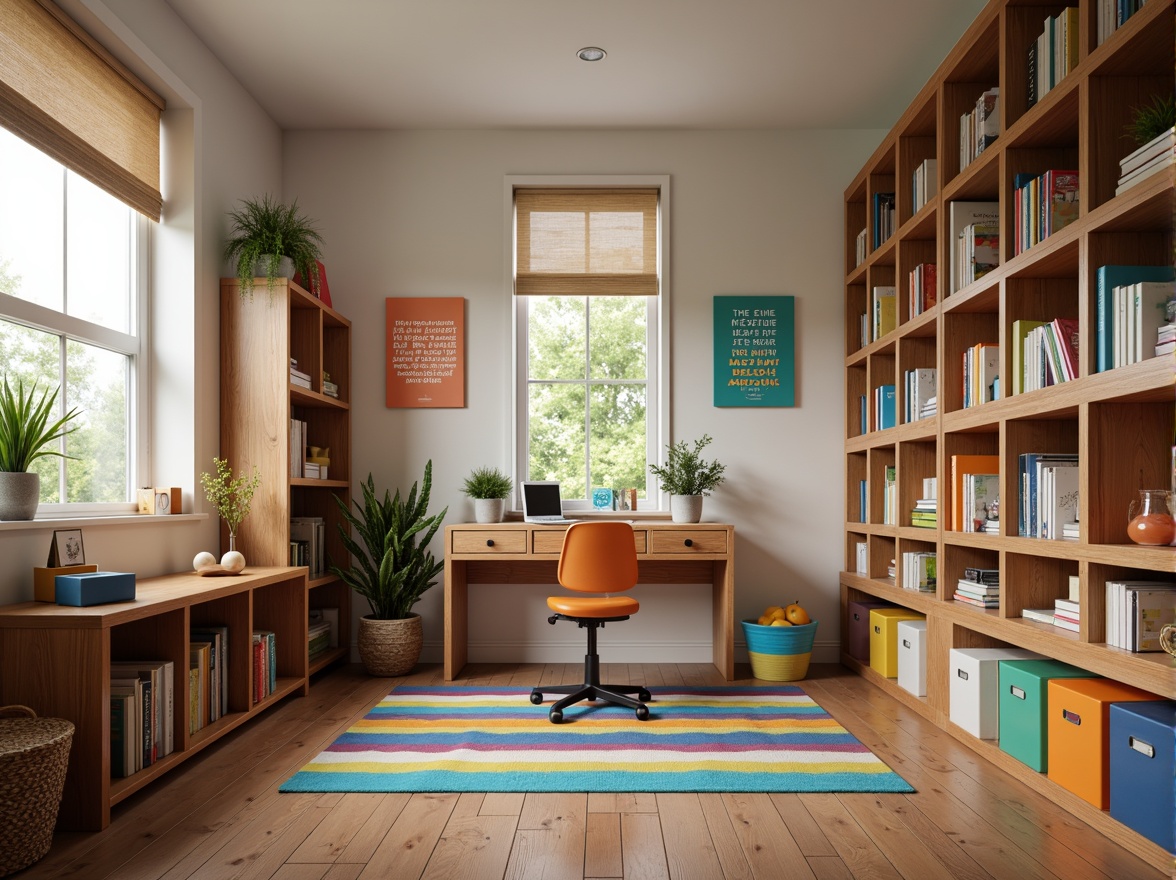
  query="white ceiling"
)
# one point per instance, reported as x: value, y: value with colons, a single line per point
x: 411, y: 64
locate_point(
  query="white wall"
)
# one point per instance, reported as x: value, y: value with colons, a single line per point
x: 753, y: 212
x: 219, y: 147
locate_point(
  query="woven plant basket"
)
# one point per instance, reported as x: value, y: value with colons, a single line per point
x: 34, y: 753
x: 390, y: 647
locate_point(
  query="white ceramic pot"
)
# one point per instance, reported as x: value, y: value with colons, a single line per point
x: 19, y: 494
x: 285, y: 267
x: 489, y: 510
x: 685, y: 508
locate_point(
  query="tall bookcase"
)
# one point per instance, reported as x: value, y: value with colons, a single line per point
x: 1119, y: 422
x: 260, y: 334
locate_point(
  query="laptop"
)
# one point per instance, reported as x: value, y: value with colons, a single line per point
x: 542, y: 503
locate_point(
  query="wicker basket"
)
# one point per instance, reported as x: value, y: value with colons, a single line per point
x: 34, y: 753
x: 779, y: 653
x: 390, y: 647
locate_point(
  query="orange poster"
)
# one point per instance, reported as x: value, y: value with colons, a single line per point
x: 425, y: 351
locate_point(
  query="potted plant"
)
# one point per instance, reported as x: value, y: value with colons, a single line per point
x: 391, y: 569
x: 26, y: 432
x: 687, y: 477
x: 489, y: 487
x: 264, y: 232
x: 232, y: 498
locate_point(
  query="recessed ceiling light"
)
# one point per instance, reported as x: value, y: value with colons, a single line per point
x: 591, y: 53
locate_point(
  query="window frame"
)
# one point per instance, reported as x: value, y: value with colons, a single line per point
x: 132, y: 345
x: 657, y: 316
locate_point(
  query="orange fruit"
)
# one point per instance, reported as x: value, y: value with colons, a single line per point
x: 796, y: 615
x: 780, y: 621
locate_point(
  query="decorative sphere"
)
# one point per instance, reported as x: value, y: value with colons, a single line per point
x: 203, y: 560
x: 233, y: 561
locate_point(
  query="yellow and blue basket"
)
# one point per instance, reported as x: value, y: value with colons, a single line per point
x: 779, y: 653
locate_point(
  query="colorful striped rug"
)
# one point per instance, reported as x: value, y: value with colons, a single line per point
x: 696, y: 739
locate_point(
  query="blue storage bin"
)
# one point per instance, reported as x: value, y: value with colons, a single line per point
x: 1142, y: 755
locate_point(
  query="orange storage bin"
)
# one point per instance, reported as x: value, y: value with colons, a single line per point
x: 1079, y: 717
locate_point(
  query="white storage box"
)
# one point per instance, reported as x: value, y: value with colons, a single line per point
x: 912, y: 656
x: 974, y: 690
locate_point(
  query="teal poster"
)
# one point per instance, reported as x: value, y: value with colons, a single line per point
x: 755, y: 362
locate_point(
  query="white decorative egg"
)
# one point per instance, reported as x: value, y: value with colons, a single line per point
x: 233, y: 561
x: 203, y: 560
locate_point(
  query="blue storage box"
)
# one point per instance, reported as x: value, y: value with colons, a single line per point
x: 1142, y: 748
x: 95, y: 588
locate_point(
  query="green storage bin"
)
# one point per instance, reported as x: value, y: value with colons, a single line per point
x: 1024, y: 705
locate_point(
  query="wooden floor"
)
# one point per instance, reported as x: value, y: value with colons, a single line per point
x: 220, y: 814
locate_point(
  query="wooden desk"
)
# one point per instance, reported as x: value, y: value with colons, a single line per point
x: 524, y: 553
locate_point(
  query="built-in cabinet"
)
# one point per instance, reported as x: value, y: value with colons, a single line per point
x: 261, y: 336
x: 1119, y: 422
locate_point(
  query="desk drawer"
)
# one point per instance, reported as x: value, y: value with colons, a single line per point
x: 545, y: 541
x: 489, y: 541
x: 700, y: 541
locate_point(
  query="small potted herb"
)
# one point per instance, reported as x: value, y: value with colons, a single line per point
x: 26, y: 431
x: 688, y: 477
x: 489, y: 487
x: 264, y: 232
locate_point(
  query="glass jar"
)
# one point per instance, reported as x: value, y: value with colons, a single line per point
x: 1150, y: 518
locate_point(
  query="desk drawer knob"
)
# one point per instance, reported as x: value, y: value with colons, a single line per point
x: 489, y: 542
x: 688, y: 543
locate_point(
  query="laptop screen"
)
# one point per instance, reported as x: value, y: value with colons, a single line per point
x: 542, y: 499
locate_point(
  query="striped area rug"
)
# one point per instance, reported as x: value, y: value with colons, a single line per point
x: 485, y: 739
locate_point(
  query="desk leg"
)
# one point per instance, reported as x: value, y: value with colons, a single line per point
x: 722, y: 618
x: 456, y: 618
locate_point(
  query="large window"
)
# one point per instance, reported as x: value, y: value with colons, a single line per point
x: 589, y: 295
x: 71, y: 259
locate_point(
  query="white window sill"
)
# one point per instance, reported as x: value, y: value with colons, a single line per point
x: 134, y: 519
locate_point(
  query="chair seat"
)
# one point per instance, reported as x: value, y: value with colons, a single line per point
x: 593, y: 606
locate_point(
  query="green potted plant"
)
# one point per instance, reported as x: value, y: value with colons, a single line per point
x: 391, y: 569
x: 27, y: 431
x: 232, y: 497
x: 688, y: 477
x: 1149, y: 121
x: 489, y: 487
x: 264, y: 232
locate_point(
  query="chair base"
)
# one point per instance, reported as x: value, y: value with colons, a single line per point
x: 592, y: 689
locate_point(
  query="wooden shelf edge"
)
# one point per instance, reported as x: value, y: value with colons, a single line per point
x: 321, y: 661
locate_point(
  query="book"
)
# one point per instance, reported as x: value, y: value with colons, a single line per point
x: 884, y: 406
x: 218, y: 636
x: 122, y: 736
x: 1149, y: 312
x: 161, y: 675
x: 1064, y: 332
x: 1157, y: 146
x: 967, y: 464
x: 1038, y: 615
x: 962, y: 214
x: 1058, y: 498
x: 1151, y: 610
x: 1029, y: 466
x: 198, y: 697
x: 920, y: 389
x: 990, y: 576
x: 885, y: 311
x: 1060, y: 191
x: 979, y: 603
x: 980, y: 491
x: 330, y: 616
x: 1107, y: 278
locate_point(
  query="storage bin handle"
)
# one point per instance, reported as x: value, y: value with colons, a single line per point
x: 1072, y: 717
x: 15, y: 711
x: 1016, y: 692
x: 1142, y: 747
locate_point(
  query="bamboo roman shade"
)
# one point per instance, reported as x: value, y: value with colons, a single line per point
x: 584, y: 242
x: 67, y: 96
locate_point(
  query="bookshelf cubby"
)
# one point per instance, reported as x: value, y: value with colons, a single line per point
x: 57, y: 660
x: 259, y: 336
x: 1119, y: 422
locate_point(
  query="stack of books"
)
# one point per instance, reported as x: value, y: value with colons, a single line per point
x: 308, y: 543
x: 981, y: 500
x: 330, y: 389
x: 297, y: 377
x: 142, y: 714
x: 979, y: 587
x: 318, y: 638
x: 918, y: 571
x: 960, y: 216
x: 1152, y: 158
x: 1067, y: 613
x: 265, y: 672
x: 297, y: 447
x: 921, y: 292
x: 926, y: 511
x: 1053, y: 54
x: 980, y: 371
x: 1141, y: 309
x: 924, y: 184
x: 919, y: 399
x: 978, y: 247
x: 979, y: 126
x: 1042, y: 205
x: 1165, y: 340
x: 329, y: 616
x: 1045, y: 353
x: 1112, y: 14
x: 1137, y: 611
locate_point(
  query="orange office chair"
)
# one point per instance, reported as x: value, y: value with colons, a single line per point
x: 597, y: 557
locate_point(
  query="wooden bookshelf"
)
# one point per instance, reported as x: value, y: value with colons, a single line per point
x: 56, y: 659
x: 1119, y: 422
x: 259, y: 336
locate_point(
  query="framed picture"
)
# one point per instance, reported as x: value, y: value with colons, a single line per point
x: 67, y: 548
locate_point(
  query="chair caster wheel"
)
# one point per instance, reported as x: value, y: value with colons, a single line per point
x: 556, y: 716
x: 642, y: 713
x: 644, y: 696
x: 536, y: 698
